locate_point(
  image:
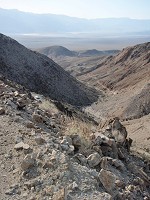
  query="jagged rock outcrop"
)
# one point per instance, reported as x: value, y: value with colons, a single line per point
x: 40, y: 74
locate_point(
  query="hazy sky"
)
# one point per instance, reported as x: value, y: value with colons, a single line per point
x: 137, y: 9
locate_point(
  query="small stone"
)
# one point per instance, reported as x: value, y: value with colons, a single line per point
x: 105, y: 162
x: 15, y: 171
x: 21, y: 145
x: 59, y: 195
x: 94, y: 159
x: 32, y: 183
x: 119, y: 183
x: 81, y: 159
x: 97, y: 148
x: 21, y: 103
x: 108, y: 179
x: 65, y: 147
x: 2, y: 111
x: 26, y: 147
x: 71, y: 149
x: 66, y: 140
x: 48, y: 164
x: 40, y: 140
x: 92, y: 136
x: 3, y: 166
x: 12, y: 168
x: 18, y: 139
x: 138, y: 181
x: 37, y: 118
x: 25, y: 194
x: 30, y: 125
x: 130, y: 188
x: 117, y: 163
x: 16, y: 93
x: 28, y: 162
x: 10, y: 192
x: 76, y: 140
x: 74, y: 185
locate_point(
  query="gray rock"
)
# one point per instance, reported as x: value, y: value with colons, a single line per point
x: 118, y: 164
x: 2, y: 111
x: 66, y: 140
x: 76, y: 140
x: 21, y: 103
x: 18, y: 139
x: 30, y: 125
x: 28, y: 162
x: 94, y: 159
x: 71, y: 150
x: 108, y: 179
x: 37, y: 118
x: 65, y: 147
x: 81, y: 159
x: 40, y: 140
x: 11, y: 191
x: 32, y: 183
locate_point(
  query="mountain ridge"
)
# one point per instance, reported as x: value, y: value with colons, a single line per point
x: 61, y: 51
x: 10, y: 20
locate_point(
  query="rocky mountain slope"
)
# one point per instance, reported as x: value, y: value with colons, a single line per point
x: 44, y: 157
x: 127, y: 68
x: 125, y: 78
x: 40, y: 74
x: 76, y: 62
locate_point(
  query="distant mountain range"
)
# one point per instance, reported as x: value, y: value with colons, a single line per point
x: 60, y: 51
x: 17, y: 22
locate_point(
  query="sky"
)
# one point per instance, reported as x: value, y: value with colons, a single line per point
x: 90, y: 9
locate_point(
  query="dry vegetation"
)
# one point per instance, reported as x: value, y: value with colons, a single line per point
x: 48, y: 107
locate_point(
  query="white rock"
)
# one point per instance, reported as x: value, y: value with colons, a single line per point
x: 21, y: 145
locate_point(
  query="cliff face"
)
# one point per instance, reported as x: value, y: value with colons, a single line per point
x: 40, y: 74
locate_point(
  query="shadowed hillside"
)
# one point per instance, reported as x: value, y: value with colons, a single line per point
x: 41, y: 74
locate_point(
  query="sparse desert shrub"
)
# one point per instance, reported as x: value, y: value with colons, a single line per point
x: 48, y: 107
x: 76, y: 126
